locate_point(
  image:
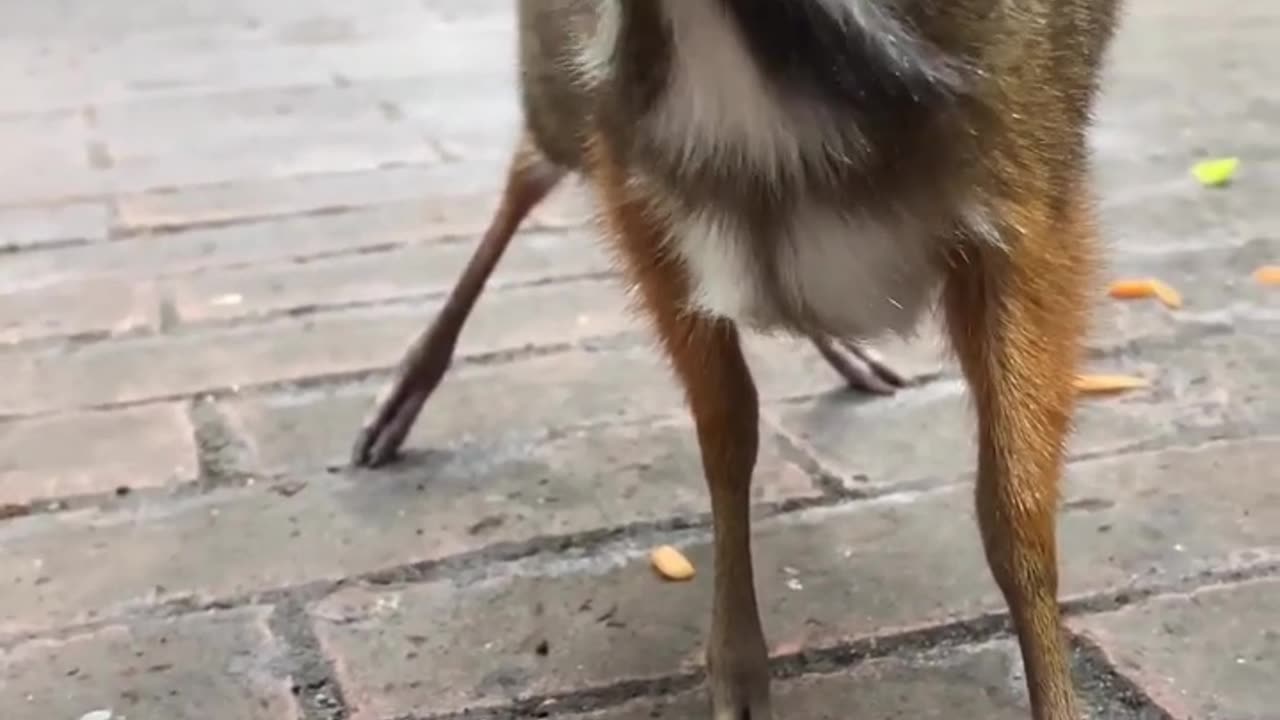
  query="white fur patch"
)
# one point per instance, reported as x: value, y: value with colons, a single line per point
x: 856, y: 277
x: 719, y: 105
x: 596, y: 48
x: 722, y: 267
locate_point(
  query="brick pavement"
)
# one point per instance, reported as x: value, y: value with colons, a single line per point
x: 221, y: 221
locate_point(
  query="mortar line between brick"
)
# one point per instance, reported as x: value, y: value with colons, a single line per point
x: 171, y: 325
x: 832, y: 481
x: 290, y: 622
x: 123, y: 230
x: 1122, y: 687
x: 333, y: 380
x: 15, y: 248
x: 222, y: 453
x: 315, y: 685
x: 627, y: 339
x: 973, y: 631
x: 319, y: 310
x: 241, y: 474
x: 827, y: 478
x: 978, y: 630
x: 468, y: 568
x: 464, y: 569
x: 219, y: 472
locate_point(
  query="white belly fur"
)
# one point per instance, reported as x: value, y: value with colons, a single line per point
x: 856, y: 275
x: 856, y: 278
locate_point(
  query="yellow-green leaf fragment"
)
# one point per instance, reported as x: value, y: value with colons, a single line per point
x: 1216, y: 172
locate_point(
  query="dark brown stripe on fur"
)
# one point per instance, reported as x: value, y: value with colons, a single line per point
x: 869, y: 61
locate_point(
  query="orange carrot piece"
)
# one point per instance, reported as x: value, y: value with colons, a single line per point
x: 1103, y: 384
x: 1135, y: 288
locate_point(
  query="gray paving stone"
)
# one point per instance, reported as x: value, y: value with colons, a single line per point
x: 1215, y: 275
x: 46, y: 159
x: 410, y: 187
x: 976, y: 683
x: 1213, y: 654
x: 299, y: 431
x: 970, y: 683
x: 96, y: 307
x: 823, y: 577
x: 480, y: 107
x: 251, y: 133
x: 877, y: 444
x: 204, y: 48
x: 377, y: 277
x: 296, y: 349
x: 180, y: 668
x: 1148, y: 220
x: 457, y: 214
x: 73, y: 567
x: 982, y: 681
x: 1203, y: 387
x: 58, y: 456
x: 35, y: 226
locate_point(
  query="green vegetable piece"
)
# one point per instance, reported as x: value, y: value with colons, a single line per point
x: 1216, y: 172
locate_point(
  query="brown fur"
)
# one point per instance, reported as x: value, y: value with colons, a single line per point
x: 722, y: 397
x: 1016, y: 322
x: 1013, y: 293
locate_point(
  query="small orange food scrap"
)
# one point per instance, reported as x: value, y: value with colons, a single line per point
x: 1100, y: 384
x: 1268, y: 275
x: 671, y: 564
x: 1146, y: 288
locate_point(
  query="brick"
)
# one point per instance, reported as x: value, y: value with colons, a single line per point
x: 305, y: 431
x: 966, y: 683
x: 1212, y: 654
x: 177, y: 668
x: 301, y: 431
x: 1225, y: 381
x: 53, y: 142
x: 1209, y: 277
x: 61, y: 456
x: 1201, y: 388
x: 376, y: 277
x: 977, y: 681
x: 251, y: 133
x: 877, y: 444
x: 356, y: 229
x: 823, y: 576
x: 206, y: 51
x: 98, y: 306
x: 452, y: 199
x: 29, y: 227
x: 1210, y: 78
x: 75, y: 566
x: 443, y: 199
x: 482, y: 107
x: 1221, y: 295
x: 294, y: 349
x: 221, y: 247
x: 1175, y: 215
